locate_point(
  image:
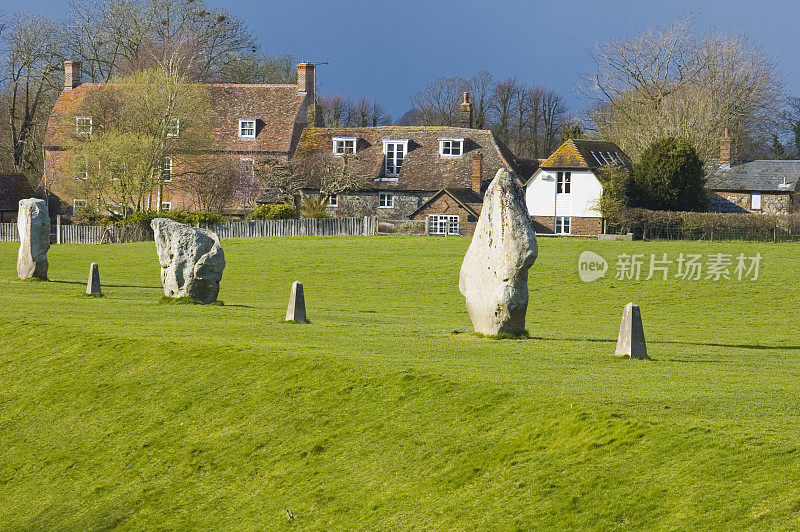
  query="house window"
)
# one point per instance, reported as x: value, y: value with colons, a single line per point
x: 333, y: 201
x: 81, y: 166
x: 247, y: 128
x: 562, y: 225
x: 166, y: 205
x: 451, y: 147
x: 386, y: 200
x: 173, y: 127
x: 78, y: 205
x: 116, y: 170
x: 342, y: 145
x: 393, y: 153
x: 755, y: 201
x: 443, y: 224
x: 248, y: 165
x: 563, y: 180
x: 83, y: 126
x: 166, y: 170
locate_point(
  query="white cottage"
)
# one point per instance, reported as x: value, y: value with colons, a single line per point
x: 563, y: 195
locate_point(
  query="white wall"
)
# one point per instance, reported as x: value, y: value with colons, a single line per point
x: 583, y: 199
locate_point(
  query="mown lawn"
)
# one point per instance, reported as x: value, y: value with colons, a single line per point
x: 385, y: 412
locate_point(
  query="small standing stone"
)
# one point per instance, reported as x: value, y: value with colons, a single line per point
x: 297, y: 304
x: 33, y: 224
x: 631, y: 334
x: 93, y: 286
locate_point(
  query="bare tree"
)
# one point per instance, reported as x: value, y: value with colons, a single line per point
x: 438, y: 103
x: 669, y: 83
x: 338, y: 111
x: 31, y: 81
x: 481, y: 88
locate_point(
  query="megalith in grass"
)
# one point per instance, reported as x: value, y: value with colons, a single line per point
x: 630, y: 342
x: 296, y: 311
x: 191, y: 260
x: 494, y: 274
x: 33, y: 224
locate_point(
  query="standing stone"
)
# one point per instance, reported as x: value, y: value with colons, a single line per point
x: 631, y: 334
x: 494, y: 274
x: 93, y: 286
x: 191, y: 260
x: 33, y: 223
x: 297, y: 304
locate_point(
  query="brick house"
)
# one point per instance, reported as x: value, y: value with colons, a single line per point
x: 435, y: 174
x: 762, y: 186
x: 252, y: 123
x: 563, y: 195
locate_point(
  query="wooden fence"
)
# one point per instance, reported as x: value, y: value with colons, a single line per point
x: 99, y: 234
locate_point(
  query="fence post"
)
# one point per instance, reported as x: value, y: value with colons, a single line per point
x: 58, y: 228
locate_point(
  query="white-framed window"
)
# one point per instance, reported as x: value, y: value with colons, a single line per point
x: 173, y: 127
x: 443, y: 224
x: 333, y: 200
x: 166, y: 170
x: 562, y: 225
x: 248, y: 165
x: 386, y: 200
x: 563, y: 182
x: 116, y: 170
x: 247, y: 128
x: 755, y: 201
x: 83, y: 126
x: 394, y: 151
x: 166, y: 205
x: 451, y: 147
x: 81, y: 165
x: 77, y: 205
x: 342, y: 145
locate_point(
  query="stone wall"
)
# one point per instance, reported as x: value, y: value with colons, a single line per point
x: 734, y: 201
x: 359, y: 204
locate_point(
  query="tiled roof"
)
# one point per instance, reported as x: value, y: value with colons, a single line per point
x: 280, y: 111
x: 768, y: 176
x: 585, y: 153
x: 12, y: 189
x: 470, y: 200
x: 423, y: 169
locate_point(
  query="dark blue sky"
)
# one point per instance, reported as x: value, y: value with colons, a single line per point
x: 390, y: 49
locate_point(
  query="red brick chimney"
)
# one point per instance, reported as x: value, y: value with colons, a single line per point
x: 477, y: 172
x: 465, y: 119
x: 725, y: 150
x: 72, y: 74
x: 305, y: 79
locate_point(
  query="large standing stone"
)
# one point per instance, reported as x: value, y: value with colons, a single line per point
x: 631, y: 334
x: 494, y: 274
x: 191, y: 260
x: 296, y: 311
x: 33, y: 223
x: 93, y: 285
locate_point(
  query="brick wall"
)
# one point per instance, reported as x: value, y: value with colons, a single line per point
x: 580, y: 225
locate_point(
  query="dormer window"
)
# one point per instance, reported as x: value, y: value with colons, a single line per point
x: 451, y: 147
x: 173, y: 128
x: 394, y: 151
x: 83, y: 126
x: 247, y: 128
x: 342, y: 145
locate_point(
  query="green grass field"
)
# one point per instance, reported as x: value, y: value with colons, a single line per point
x: 386, y: 412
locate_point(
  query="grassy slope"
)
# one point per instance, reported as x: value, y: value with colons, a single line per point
x: 122, y: 411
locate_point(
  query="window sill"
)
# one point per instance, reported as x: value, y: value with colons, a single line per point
x: 387, y: 179
x: 449, y: 156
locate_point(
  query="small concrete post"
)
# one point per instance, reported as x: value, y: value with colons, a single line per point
x: 93, y: 286
x: 296, y: 311
x: 58, y: 228
x: 631, y: 334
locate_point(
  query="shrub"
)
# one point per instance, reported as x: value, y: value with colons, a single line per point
x: 314, y: 207
x: 145, y: 217
x: 205, y: 218
x: 274, y: 211
x: 670, y: 177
